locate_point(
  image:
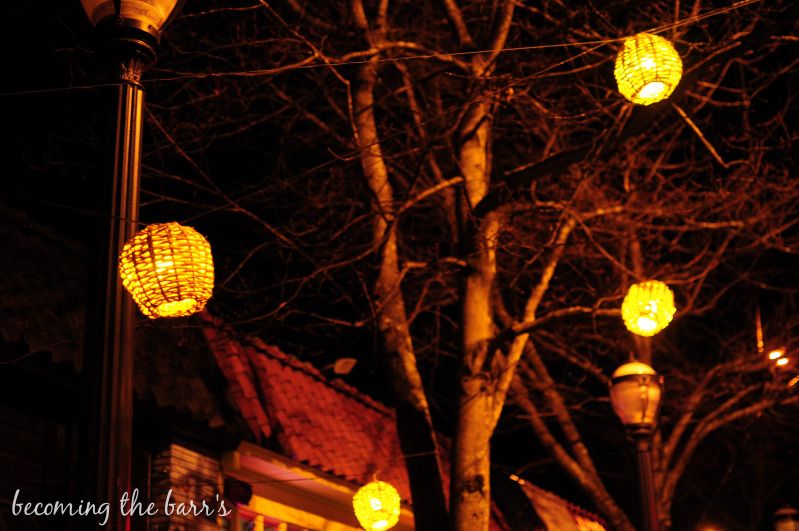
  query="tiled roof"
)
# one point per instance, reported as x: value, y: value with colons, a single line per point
x: 42, y: 298
x: 582, y: 518
x: 173, y: 369
x: 42, y: 289
x: 324, y: 423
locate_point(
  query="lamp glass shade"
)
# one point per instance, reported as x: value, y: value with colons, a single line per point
x: 647, y: 69
x: 786, y: 519
x: 150, y: 14
x: 377, y: 506
x: 635, y: 395
x: 168, y: 270
x: 648, y: 308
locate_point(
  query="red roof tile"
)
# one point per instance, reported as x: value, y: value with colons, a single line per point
x: 534, y: 492
x: 325, y: 424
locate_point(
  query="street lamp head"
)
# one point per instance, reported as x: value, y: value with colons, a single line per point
x: 635, y: 394
x: 134, y: 23
x: 786, y: 519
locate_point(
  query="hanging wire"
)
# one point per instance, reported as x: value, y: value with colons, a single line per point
x: 272, y: 71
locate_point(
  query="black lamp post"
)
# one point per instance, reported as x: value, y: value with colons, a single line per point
x: 128, y: 32
x: 786, y: 519
x: 635, y: 394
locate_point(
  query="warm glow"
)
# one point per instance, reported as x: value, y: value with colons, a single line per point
x: 653, y: 91
x: 648, y: 69
x: 176, y: 308
x: 377, y: 506
x: 584, y: 524
x: 152, y: 14
x: 648, y: 308
x: 782, y: 362
x: 647, y: 324
x: 776, y: 354
x: 635, y: 394
x: 168, y: 270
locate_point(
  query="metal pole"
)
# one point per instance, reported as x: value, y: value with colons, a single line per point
x: 647, y: 483
x: 109, y: 339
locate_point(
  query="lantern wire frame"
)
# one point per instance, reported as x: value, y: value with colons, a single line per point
x: 377, y: 506
x: 168, y: 269
x: 647, y: 69
x: 648, y: 308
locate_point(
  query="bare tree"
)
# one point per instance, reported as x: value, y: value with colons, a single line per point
x: 463, y: 179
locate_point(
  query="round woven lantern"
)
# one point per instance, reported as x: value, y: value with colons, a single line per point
x: 648, y: 308
x: 377, y: 506
x: 168, y: 270
x: 648, y: 69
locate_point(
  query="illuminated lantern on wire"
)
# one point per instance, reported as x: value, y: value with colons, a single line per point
x: 648, y: 69
x: 377, y: 506
x: 168, y: 270
x: 648, y: 308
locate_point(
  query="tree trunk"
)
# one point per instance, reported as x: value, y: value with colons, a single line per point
x: 470, y: 489
x: 471, y: 470
x: 414, y: 424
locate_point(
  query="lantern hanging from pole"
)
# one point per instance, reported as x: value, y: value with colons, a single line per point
x: 648, y: 308
x: 648, y: 69
x: 168, y: 270
x: 377, y: 506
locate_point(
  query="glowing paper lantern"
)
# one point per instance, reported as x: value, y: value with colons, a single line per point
x: 168, y: 270
x: 377, y: 506
x: 648, y: 308
x: 648, y: 69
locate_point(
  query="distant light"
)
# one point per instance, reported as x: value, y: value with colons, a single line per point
x: 776, y: 353
x: 794, y: 381
x: 783, y: 362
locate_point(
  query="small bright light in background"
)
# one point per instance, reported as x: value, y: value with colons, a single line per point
x: 782, y: 362
x: 794, y: 381
x: 776, y: 354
